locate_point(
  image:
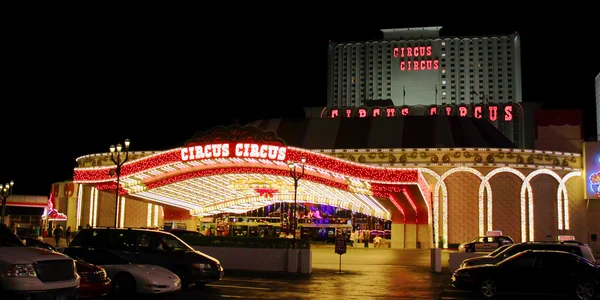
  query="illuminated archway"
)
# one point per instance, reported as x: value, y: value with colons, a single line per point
x: 435, y: 203
x: 485, y: 184
x: 562, y: 191
x: 436, y: 197
x: 528, y: 205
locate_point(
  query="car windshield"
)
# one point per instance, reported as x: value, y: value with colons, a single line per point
x: 498, y: 251
x: 477, y: 240
x: 172, y: 243
x: 154, y: 241
x: 8, y: 238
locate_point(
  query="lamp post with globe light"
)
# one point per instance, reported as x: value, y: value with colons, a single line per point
x: 5, y: 192
x: 296, y: 175
x: 115, y: 156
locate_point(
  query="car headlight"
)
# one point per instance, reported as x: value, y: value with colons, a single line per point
x: 200, y: 266
x: 24, y: 270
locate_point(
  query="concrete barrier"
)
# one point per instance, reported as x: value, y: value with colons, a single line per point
x: 456, y: 258
x: 262, y: 259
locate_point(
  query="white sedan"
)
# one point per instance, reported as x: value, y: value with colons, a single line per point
x: 129, y: 279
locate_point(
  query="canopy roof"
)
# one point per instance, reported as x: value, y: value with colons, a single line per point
x: 239, y: 183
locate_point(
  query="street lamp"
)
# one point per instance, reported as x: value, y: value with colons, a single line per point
x: 5, y: 191
x: 115, y: 156
x: 296, y: 175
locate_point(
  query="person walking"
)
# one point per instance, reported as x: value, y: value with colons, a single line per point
x: 58, y: 232
x: 68, y: 235
x: 355, y: 235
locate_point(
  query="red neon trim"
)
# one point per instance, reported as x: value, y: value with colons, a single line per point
x: 398, y: 206
x: 313, y: 159
x: 25, y: 204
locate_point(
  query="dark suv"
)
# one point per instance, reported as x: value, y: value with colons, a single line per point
x: 576, y: 248
x: 150, y: 247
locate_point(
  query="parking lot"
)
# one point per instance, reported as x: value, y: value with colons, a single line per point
x: 365, y: 274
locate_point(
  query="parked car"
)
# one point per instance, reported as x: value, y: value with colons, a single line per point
x: 94, y: 280
x: 572, y: 247
x: 28, y: 272
x: 148, y: 247
x: 129, y: 279
x: 485, y: 243
x: 535, y: 272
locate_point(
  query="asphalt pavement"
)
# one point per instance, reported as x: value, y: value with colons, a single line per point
x: 365, y: 274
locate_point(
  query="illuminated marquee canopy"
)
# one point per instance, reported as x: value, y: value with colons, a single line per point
x: 237, y: 169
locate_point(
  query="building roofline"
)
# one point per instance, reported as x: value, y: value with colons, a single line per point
x: 427, y: 28
x: 456, y: 37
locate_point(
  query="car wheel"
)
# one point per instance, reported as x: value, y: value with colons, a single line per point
x: 585, y: 290
x: 488, y: 288
x: 469, y: 250
x: 123, y: 285
x: 185, y: 277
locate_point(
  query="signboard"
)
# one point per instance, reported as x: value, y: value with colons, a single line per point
x: 591, y: 167
x: 491, y: 112
x: 340, y: 245
x: 234, y: 142
x: 241, y: 150
x: 562, y: 238
x: 494, y: 233
x: 417, y: 58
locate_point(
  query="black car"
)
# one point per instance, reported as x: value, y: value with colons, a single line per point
x: 576, y: 248
x: 535, y: 272
x: 149, y: 247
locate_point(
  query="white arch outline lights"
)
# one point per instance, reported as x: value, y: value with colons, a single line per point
x: 436, y: 197
x: 435, y: 204
x: 562, y: 191
x: 527, y: 208
x: 485, y: 183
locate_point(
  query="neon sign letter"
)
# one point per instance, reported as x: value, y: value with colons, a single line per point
x: 376, y: 112
x: 477, y: 112
x: 362, y: 113
x: 508, y: 113
x: 334, y: 113
x: 493, y: 113
x: 391, y: 112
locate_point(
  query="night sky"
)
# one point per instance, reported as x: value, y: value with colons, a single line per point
x: 76, y: 88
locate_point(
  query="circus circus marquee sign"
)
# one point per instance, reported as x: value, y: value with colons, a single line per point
x: 241, y: 150
x: 234, y: 143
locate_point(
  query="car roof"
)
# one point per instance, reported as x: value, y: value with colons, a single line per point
x: 124, y: 229
x: 555, y: 243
